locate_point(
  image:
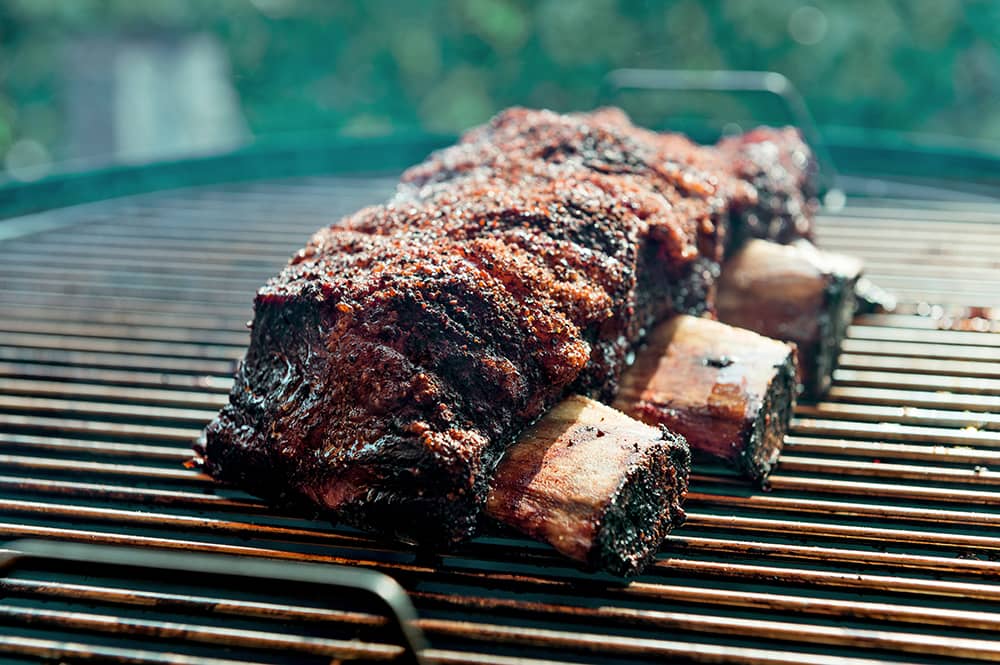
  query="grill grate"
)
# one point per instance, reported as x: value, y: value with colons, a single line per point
x: 119, y: 327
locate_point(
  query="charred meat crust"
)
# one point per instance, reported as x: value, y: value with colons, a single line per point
x: 402, y: 350
x: 767, y: 435
x: 523, y: 144
x: 646, y: 507
x: 783, y: 171
x: 841, y: 304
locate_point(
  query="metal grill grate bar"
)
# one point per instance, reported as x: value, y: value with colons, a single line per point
x: 875, y: 540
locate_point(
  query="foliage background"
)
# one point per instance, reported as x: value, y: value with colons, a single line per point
x: 364, y: 67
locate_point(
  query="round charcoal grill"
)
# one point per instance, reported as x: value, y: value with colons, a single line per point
x: 120, y: 322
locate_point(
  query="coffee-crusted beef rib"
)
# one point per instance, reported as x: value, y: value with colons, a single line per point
x: 403, y: 349
x: 399, y: 353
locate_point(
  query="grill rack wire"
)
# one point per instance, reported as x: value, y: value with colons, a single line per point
x: 119, y: 327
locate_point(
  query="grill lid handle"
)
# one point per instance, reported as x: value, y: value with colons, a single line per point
x: 368, y: 584
x: 736, y: 82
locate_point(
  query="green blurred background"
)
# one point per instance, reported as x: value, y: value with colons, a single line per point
x: 89, y: 81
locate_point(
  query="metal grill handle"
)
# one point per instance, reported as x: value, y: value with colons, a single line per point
x: 734, y: 82
x: 362, y: 584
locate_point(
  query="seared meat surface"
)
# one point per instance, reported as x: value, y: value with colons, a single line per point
x: 782, y: 169
x: 524, y: 143
x: 404, y: 348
